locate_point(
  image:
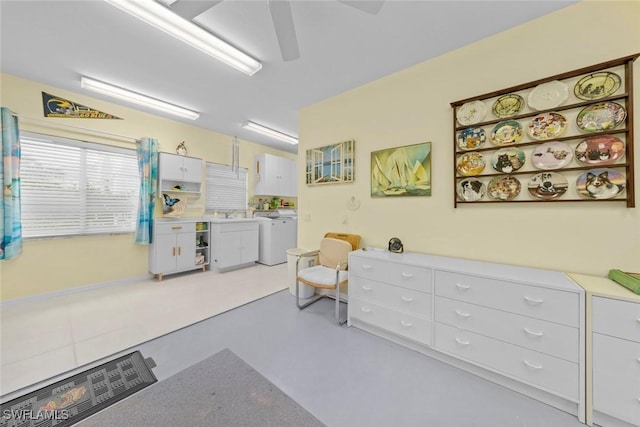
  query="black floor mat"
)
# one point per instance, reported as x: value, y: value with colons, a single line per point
x: 68, y: 401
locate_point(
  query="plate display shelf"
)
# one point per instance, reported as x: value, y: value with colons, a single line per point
x: 574, y: 131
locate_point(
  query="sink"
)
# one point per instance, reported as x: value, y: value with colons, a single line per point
x: 226, y: 220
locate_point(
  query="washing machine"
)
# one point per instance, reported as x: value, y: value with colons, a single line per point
x: 278, y: 232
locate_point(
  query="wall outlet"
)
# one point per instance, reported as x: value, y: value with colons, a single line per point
x: 307, y: 217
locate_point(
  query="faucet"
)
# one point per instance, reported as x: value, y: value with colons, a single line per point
x: 228, y: 214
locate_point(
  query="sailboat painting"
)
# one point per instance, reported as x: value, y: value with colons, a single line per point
x: 401, y: 171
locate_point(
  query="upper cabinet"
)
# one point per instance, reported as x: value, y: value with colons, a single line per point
x: 179, y: 173
x: 275, y: 176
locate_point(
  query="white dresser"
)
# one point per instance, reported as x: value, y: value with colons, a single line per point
x: 613, y: 353
x: 520, y: 327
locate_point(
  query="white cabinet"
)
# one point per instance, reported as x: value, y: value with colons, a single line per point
x: 520, y: 327
x: 275, y: 176
x: 234, y: 243
x: 173, y: 248
x: 179, y: 171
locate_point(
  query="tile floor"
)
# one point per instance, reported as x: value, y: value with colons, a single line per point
x: 42, y: 338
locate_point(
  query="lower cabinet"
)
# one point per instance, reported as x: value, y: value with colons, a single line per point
x: 173, y: 247
x: 234, y: 244
x: 520, y: 327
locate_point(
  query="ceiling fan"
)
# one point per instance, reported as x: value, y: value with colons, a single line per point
x: 281, y: 16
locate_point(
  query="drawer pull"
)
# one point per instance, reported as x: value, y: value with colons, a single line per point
x: 461, y: 314
x: 531, y: 365
x: 365, y: 310
x: 534, y: 300
x: 406, y: 324
x: 406, y: 299
x: 176, y: 228
x: 366, y: 288
x: 462, y: 342
x: 534, y: 333
x: 366, y: 267
x: 462, y: 287
x: 406, y: 275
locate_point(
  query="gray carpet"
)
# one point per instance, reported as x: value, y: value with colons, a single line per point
x: 221, y: 390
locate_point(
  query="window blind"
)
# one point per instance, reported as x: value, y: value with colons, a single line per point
x: 226, y: 189
x: 71, y: 187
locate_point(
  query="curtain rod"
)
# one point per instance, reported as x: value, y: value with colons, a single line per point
x: 76, y: 127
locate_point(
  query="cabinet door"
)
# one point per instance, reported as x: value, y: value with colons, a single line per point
x: 166, y: 252
x: 170, y: 166
x: 185, y: 250
x: 229, y: 245
x: 249, y: 246
x: 293, y: 178
x: 191, y: 169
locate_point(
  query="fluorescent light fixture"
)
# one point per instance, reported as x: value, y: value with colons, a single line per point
x: 136, y: 98
x: 269, y: 132
x: 163, y: 18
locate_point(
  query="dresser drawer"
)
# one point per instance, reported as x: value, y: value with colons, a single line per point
x: 529, y: 300
x: 176, y: 227
x: 616, y: 377
x: 406, y: 325
x: 405, y: 300
x: 406, y: 276
x: 546, y: 337
x: 555, y: 375
x: 616, y: 318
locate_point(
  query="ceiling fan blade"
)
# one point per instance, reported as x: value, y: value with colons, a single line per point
x: 285, y: 30
x: 189, y: 9
x: 369, y: 6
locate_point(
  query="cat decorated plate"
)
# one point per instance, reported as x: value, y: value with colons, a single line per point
x: 507, y: 160
x: 471, y: 138
x: 507, y: 105
x: 548, y: 95
x: 600, y: 150
x: 470, y: 164
x: 552, y: 155
x: 471, y: 113
x: 548, y: 185
x: 506, y: 132
x: 600, y: 184
x: 504, y: 188
x: 547, y: 126
x: 597, y: 85
x: 601, y: 116
x: 471, y: 190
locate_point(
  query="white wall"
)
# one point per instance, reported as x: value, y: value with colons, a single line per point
x: 413, y: 106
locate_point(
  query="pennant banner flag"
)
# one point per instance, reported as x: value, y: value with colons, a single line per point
x: 57, y: 107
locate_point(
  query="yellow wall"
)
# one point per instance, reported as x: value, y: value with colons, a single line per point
x: 413, y: 106
x: 49, y: 265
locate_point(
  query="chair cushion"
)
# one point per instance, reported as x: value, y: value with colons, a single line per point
x: 321, y: 275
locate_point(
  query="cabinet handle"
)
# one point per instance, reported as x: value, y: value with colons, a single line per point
x: 176, y: 227
x: 406, y: 299
x: 531, y: 365
x: 406, y: 324
x: 173, y: 251
x: 461, y: 314
x: 462, y: 287
x: 530, y: 332
x: 406, y: 275
x: 638, y: 320
x: 366, y: 267
x: 366, y: 288
x: 179, y: 250
x: 534, y: 300
x: 462, y: 342
x: 365, y: 310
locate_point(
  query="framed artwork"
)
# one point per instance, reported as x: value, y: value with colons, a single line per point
x: 401, y: 171
x: 332, y: 164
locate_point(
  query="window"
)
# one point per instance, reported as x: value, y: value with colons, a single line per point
x: 226, y: 188
x: 72, y: 187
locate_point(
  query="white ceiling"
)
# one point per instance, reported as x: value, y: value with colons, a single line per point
x: 54, y: 42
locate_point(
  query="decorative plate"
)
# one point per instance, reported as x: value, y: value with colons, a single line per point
x: 601, y: 116
x: 600, y: 183
x: 506, y: 132
x: 548, y: 95
x: 507, y: 105
x: 600, y: 150
x: 471, y: 190
x: 471, y: 113
x: 548, y: 185
x: 507, y: 160
x: 547, y: 126
x: 552, y: 155
x: 470, y: 164
x: 597, y: 85
x: 504, y: 188
x: 471, y: 138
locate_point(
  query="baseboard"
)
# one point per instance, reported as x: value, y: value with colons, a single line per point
x: 74, y: 290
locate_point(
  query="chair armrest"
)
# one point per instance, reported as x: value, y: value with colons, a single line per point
x: 308, y: 253
x: 345, y: 263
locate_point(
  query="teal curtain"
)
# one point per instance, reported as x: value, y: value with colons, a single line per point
x: 147, y: 149
x: 10, y: 219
